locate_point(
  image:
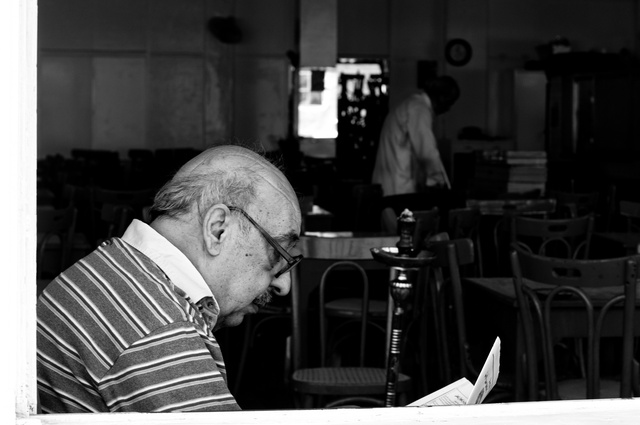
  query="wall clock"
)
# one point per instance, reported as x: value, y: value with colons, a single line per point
x: 458, y: 52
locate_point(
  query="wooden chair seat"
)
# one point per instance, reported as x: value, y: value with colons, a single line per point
x: 346, y: 380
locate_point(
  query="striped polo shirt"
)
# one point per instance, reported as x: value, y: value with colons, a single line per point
x: 114, y: 334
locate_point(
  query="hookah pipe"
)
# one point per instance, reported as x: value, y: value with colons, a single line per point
x: 406, y: 261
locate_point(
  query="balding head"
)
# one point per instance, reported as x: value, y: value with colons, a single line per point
x: 229, y: 175
x: 197, y: 211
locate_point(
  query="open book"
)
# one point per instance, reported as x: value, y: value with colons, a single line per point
x: 462, y: 391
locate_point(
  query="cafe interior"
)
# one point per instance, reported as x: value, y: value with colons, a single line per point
x: 535, y: 241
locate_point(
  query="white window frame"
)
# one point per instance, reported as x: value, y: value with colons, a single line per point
x: 18, y: 24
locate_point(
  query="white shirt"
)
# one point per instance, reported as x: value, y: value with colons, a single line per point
x: 408, y: 153
x: 170, y: 259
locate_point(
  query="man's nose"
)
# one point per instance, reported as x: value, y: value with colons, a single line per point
x: 282, y: 285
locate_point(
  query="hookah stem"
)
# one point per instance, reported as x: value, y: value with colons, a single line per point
x: 394, y: 356
x: 400, y: 290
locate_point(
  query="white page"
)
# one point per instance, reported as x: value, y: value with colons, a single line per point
x: 488, y: 375
x: 461, y: 392
x: 456, y: 393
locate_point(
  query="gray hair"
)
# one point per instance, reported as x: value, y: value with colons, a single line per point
x: 202, y: 190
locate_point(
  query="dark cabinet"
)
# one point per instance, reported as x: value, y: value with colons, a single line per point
x: 593, y: 114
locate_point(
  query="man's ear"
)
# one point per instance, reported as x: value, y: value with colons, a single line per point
x: 214, y: 227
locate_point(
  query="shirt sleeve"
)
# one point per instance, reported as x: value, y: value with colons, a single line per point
x: 420, y: 129
x: 170, y: 370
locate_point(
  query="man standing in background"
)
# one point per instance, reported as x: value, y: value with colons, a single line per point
x: 408, y: 158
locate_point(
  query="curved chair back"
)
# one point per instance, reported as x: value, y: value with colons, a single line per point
x: 565, y: 238
x: 465, y: 223
x: 320, y: 384
x: 320, y: 256
x: 347, y: 311
x: 55, y: 225
x: 113, y: 210
x: 446, y: 290
x: 631, y: 212
x: 499, y: 211
x: 594, y: 286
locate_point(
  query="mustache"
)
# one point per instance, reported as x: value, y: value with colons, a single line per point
x: 263, y: 299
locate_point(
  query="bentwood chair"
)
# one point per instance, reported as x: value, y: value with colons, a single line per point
x: 454, y: 259
x: 573, y: 204
x: 258, y: 328
x: 79, y: 197
x: 624, y: 237
x: 465, y: 223
x: 114, y: 209
x: 349, y: 371
x: 631, y: 212
x: 495, y: 226
x: 560, y: 238
x: 591, y: 299
x: 563, y: 238
x: 56, y: 230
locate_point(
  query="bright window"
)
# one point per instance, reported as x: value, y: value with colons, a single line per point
x: 320, y: 88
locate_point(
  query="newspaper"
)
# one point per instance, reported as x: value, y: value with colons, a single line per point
x: 462, y: 392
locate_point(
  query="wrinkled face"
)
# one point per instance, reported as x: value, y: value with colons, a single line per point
x: 250, y: 262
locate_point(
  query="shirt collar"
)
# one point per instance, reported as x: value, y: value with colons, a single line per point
x: 170, y: 259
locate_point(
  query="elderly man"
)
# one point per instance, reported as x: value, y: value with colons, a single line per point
x: 130, y: 326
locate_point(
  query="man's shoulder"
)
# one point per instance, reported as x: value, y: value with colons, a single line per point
x: 117, y: 256
x: 419, y: 98
x: 415, y: 100
x: 115, y: 272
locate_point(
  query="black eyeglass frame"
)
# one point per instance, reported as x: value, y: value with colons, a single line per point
x: 292, y: 260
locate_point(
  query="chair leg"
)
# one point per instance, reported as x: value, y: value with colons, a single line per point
x: 635, y: 378
x: 303, y: 401
x: 252, y: 325
x: 579, y: 352
x: 288, y: 361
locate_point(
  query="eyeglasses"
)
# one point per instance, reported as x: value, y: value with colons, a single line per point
x: 292, y: 261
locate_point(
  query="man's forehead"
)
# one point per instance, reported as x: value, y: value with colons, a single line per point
x: 275, y: 203
x: 277, y: 207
